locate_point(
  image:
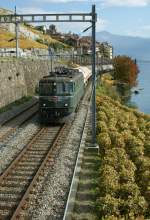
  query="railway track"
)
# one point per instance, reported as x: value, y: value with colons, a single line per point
x: 10, y: 126
x: 20, y: 178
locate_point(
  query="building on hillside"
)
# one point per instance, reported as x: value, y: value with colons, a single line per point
x: 41, y: 28
x: 81, y: 45
x: 72, y: 40
x: 84, y: 45
x: 52, y: 31
x: 106, y: 50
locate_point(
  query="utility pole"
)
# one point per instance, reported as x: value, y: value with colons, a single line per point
x: 93, y: 76
x: 50, y: 55
x: 16, y: 30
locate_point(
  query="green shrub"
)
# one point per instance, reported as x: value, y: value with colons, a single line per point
x: 109, y: 90
x: 108, y: 206
x: 124, y: 183
x: 102, y: 116
x: 133, y: 207
x: 104, y: 140
x: 109, y: 180
x: 101, y: 126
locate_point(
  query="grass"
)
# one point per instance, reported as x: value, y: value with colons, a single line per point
x: 106, y: 86
x: 107, y: 77
x: 84, y: 208
x: 15, y: 103
x: 24, y: 43
x: 105, y: 89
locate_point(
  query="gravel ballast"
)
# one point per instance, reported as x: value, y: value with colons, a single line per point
x: 49, y: 202
x: 16, y: 142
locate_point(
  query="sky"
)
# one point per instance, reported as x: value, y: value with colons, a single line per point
x: 123, y: 17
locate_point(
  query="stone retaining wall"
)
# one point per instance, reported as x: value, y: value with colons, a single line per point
x: 18, y: 78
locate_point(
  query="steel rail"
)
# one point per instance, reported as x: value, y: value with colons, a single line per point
x: 46, y: 157
x: 7, y: 171
x: 9, y: 130
x: 22, y: 204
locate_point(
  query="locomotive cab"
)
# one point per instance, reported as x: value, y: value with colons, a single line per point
x: 59, y: 94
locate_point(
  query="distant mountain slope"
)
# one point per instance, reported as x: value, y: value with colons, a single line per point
x: 133, y: 46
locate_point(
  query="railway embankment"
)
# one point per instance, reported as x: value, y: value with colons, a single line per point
x: 82, y: 195
x: 14, y: 109
x: 84, y: 206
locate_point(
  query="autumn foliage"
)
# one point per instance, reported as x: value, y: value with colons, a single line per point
x: 123, y: 135
x: 125, y: 70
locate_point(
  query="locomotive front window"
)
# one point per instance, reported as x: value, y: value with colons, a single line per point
x: 69, y: 87
x: 64, y: 88
x: 60, y: 88
x: 46, y: 89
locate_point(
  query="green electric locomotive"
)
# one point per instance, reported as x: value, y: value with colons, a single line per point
x: 60, y: 93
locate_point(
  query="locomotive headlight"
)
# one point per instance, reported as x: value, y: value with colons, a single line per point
x: 66, y: 104
x: 44, y: 104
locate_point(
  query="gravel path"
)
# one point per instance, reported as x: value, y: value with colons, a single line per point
x: 16, y: 142
x: 49, y: 200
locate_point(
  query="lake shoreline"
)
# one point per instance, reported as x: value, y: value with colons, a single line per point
x: 142, y: 99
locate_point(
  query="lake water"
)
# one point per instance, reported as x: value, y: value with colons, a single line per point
x: 142, y: 100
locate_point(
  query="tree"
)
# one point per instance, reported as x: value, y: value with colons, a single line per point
x: 125, y: 70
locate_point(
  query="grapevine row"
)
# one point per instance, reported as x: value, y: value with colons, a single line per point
x: 123, y: 136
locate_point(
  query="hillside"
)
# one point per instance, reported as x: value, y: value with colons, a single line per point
x: 46, y: 38
x: 136, y: 47
x: 29, y: 37
x: 7, y: 42
x: 5, y: 11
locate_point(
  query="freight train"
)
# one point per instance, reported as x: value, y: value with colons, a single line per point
x: 61, y: 91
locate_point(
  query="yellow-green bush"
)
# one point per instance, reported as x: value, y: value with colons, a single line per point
x: 124, y: 183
